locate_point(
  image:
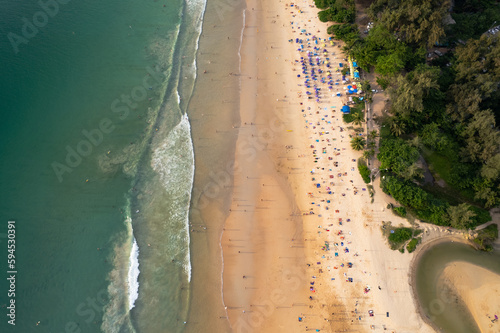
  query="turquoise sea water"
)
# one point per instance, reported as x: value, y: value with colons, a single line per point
x: 97, y: 153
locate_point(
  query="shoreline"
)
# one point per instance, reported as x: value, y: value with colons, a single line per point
x: 419, y: 252
x: 213, y: 114
x: 469, y: 302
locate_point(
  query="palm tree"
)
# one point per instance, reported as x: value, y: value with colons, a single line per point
x: 397, y: 126
x: 416, y: 142
x: 358, y: 118
x: 373, y: 135
x: 367, y: 154
x: 358, y: 143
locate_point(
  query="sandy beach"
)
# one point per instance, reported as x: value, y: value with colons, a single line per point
x: 297, y: 188
x: 479, y: 289
x: 302, y: 245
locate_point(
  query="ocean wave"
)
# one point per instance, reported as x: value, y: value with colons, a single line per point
x: 133, y: 275
x: 116, y: 316
x: 173, y: 160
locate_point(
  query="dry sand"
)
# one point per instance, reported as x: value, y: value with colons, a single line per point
x: 276, y: 265
x: 479, y: 289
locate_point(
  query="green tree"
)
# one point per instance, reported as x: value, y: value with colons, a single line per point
x: 460, y: 217
x: 481, y: 137
x: 491, y: 169
x: 373, y: 135
x: 434, y: 138
x: 414, y: 21
x: 397, y: 126
x: 487, y: 191
x: 398, y: 156
x: 358, y: 143
x: 347, y: 32
x: 389, y: 64
x: 412, y: 172
x: 358, y: 118
x: 408, y: 92
x: 477, y: 69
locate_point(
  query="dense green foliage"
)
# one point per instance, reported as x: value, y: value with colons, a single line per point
x: 341, y: 11
x: 346, y: 32
x: 364, y: 171
x: 487, y: 236
x: 412, y: 245
x: 413, y: 21
x: 430, y: 208
x: 400, y: 235
x: 445, y: 111
x: 473, y: 17
x: 401, y: 211
x: 400, y: 158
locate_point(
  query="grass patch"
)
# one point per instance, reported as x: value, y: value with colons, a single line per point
x: 401, y: 237
x: 440, y: 168
x: 482, y: 215
x: 439, y: 165
x: 412, y: 245
x: 357, y: 108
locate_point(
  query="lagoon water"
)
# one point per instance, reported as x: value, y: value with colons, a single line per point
x: 97, y: 162
x: 440, y: 307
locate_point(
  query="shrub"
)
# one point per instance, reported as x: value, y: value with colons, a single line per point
x: 346, y: 32
x: 383, y: 82
x: 325, y: 15
x: 397, y: 155
x: 364, y: 171
x: 412, y: 245
x: 400, y: 235
x: 424, y: 205
x: 323, y: 4
x: 401, y: 211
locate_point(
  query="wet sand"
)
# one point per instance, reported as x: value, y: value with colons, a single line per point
x: 214, y: 116
x: 479, y: 289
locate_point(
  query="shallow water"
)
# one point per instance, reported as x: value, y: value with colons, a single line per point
x: 439, y: 305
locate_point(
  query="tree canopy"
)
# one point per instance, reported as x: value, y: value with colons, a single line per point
x: 413, y: 21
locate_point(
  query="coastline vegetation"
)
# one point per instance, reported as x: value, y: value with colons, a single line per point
x: 439, y: 141
x: 364, y: 171
x: 486, y: 237
x: 401, y: 237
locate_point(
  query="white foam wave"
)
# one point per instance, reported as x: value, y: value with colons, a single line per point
x: 133, y: 275
x: 196, y: 6
x: 116, y: 316
x: 173, y: 160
